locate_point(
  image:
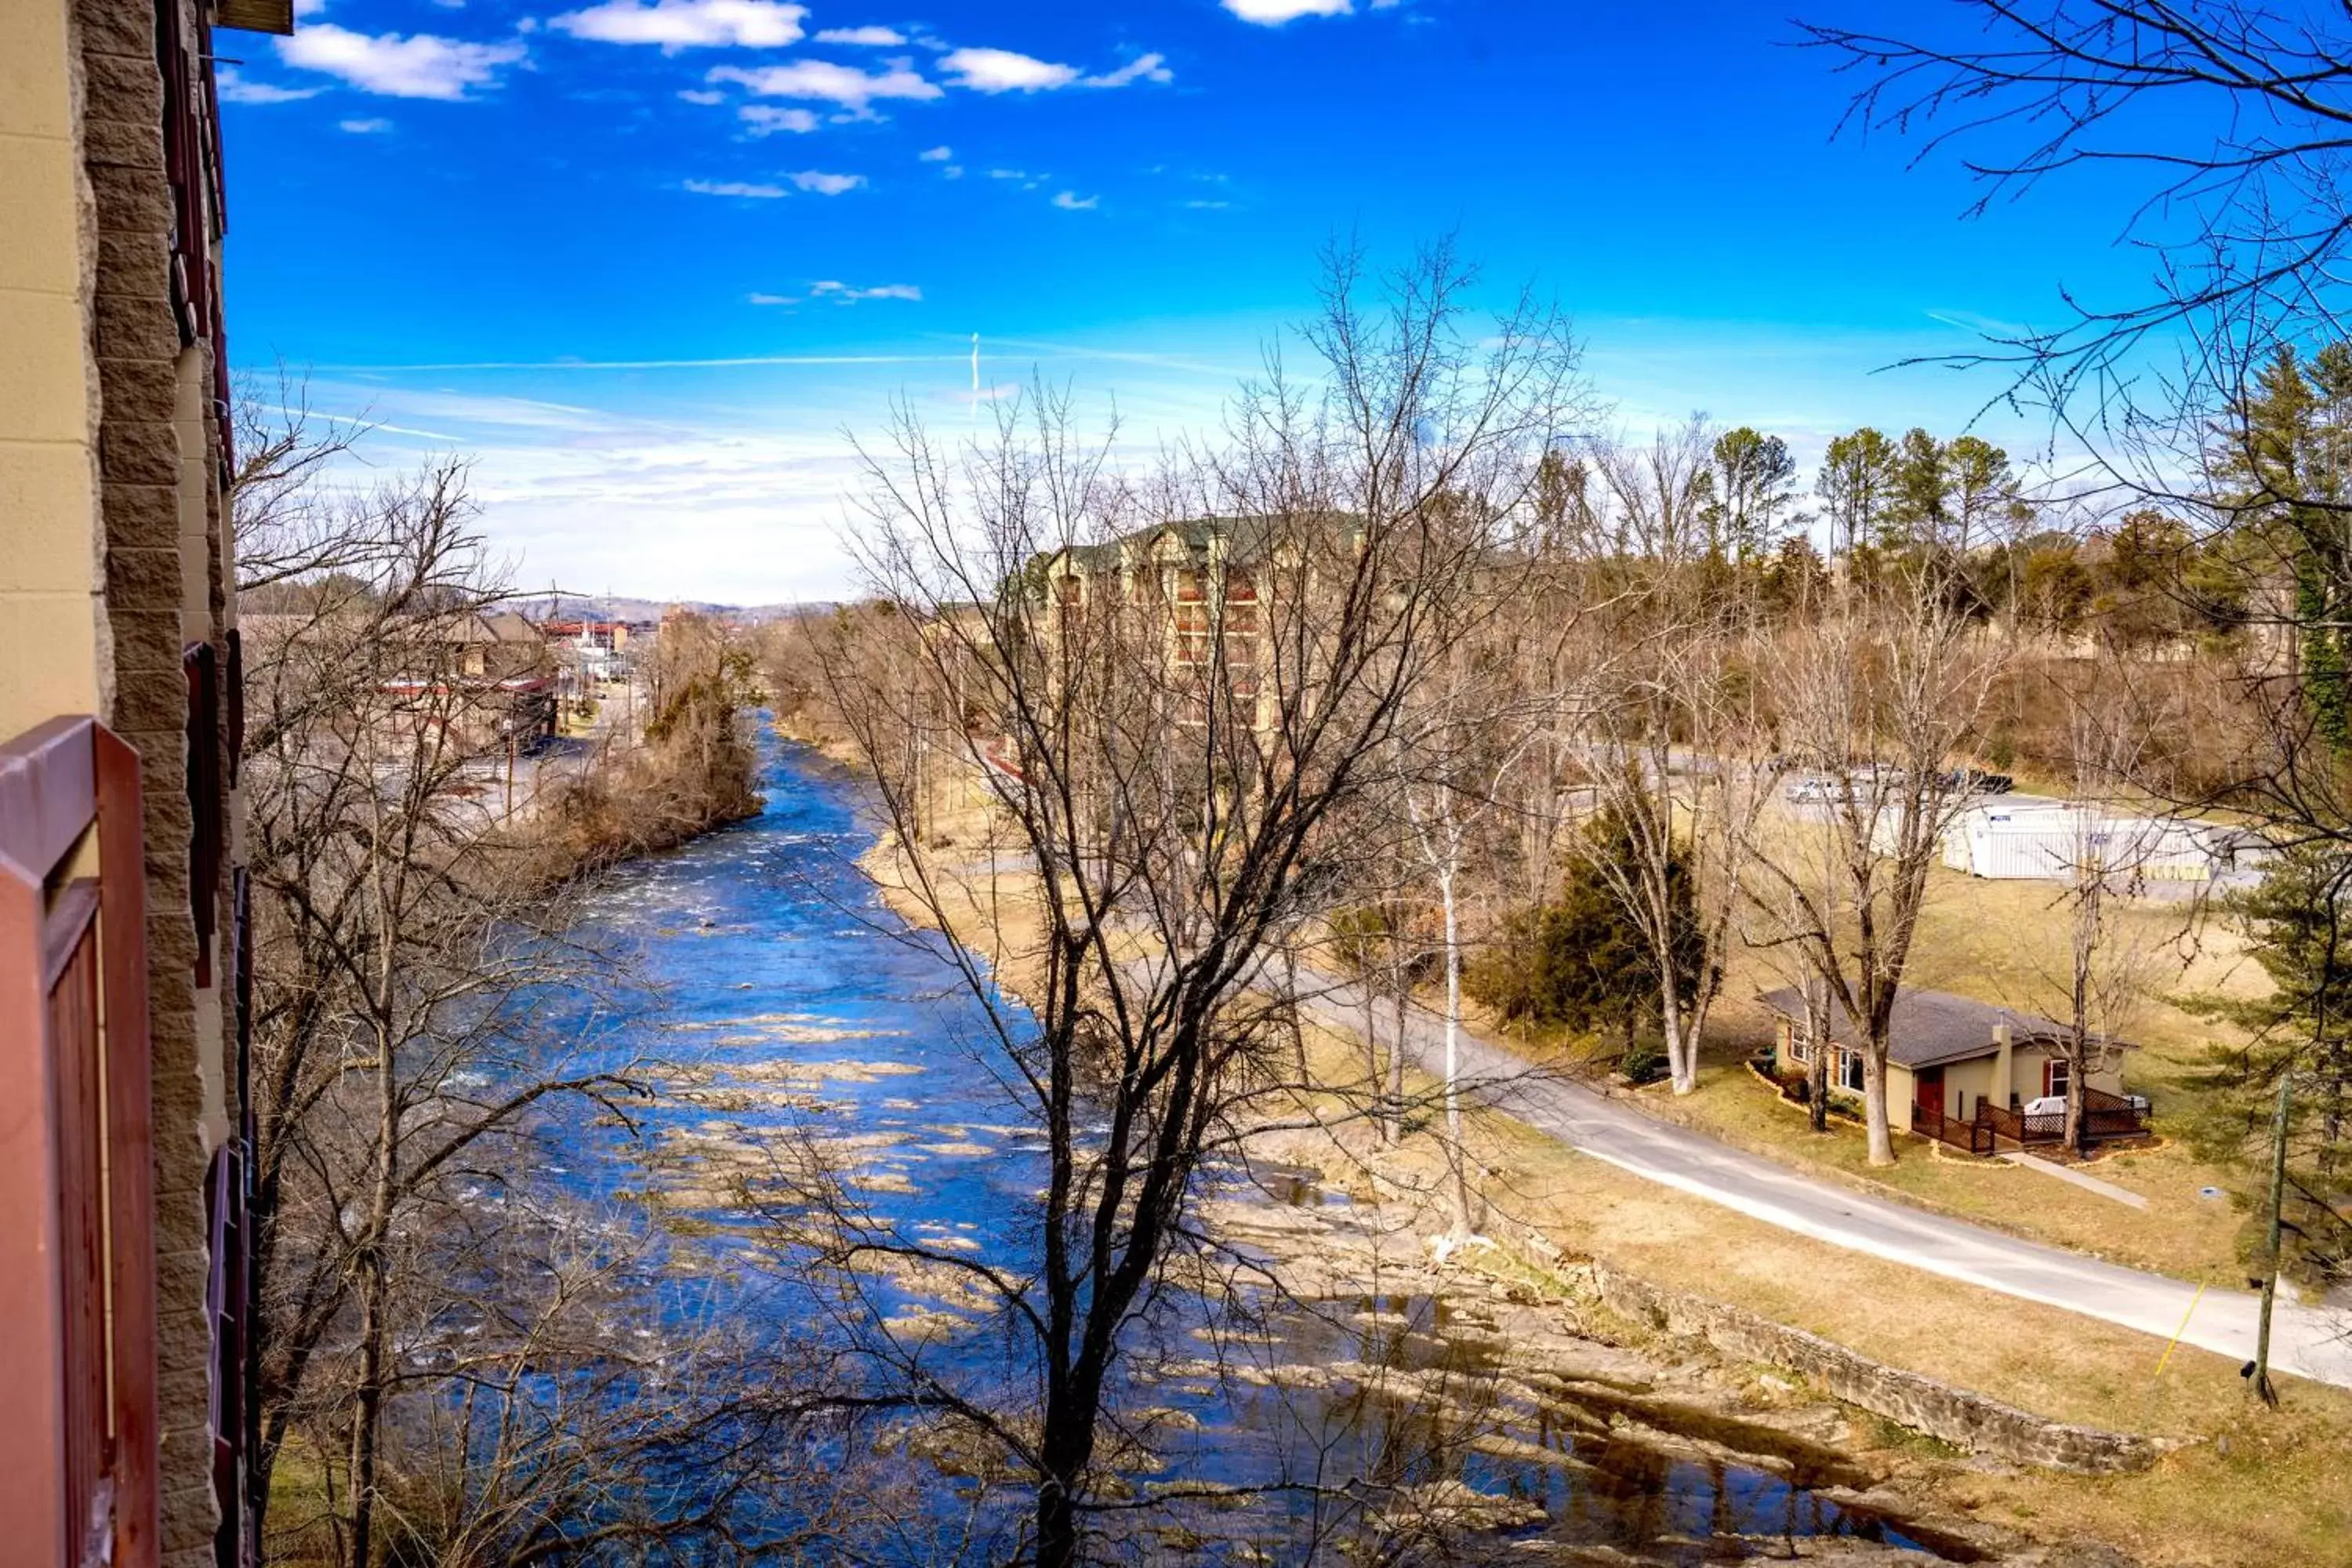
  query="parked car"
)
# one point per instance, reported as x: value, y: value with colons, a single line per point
x: 1820, y: 789
x: 1973, y: 781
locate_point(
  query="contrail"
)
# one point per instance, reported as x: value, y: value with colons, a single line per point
x: 653, y: 364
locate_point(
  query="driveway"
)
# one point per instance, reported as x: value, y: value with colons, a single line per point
x: 2316, y: 1344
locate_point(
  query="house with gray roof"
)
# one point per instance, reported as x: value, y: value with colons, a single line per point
x: 1955, y: 1064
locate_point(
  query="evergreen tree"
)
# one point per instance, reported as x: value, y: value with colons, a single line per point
x: 2290, y: 457
x: 2298, y: 923
x: 1919, y: 515
x: 1753, y: 482
x: 1986, y: 499
x: 1858, y: 488
x: 1579, y: 962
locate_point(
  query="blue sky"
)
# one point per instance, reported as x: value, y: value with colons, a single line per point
x: 648, y: 260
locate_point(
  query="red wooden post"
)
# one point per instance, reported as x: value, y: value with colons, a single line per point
x: 32, y: 1308
x: 131, y: 1137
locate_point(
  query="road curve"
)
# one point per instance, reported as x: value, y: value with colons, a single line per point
x: 2312, y: 1343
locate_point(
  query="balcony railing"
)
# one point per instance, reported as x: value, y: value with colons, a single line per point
x: 2106, y: 1119
x: 78, y: 1445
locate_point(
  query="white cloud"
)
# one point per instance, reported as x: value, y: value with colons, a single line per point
x: 309, y: 8
x: 418, y: 66
x: 1070, y: 201
x: 952, y: 172
x: 825, y: 185
x: 833, y: 83
x: 766, y: 119
x: 735, y: 188
x: 702, y: 95
x: 864, y: 37
x: 1011, y: 175
x: 1003, y: 70
x: 936, y: 154
x: 365, y: 127
x: 771, y: 299
x: 1274, y: 13
x: 235, y: 88
x: 833, y: 290
x: 1209, y: 207
x: 676, y: 25
x: 1144, y: 67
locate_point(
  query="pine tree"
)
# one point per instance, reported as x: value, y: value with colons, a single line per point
x: 1857, y: 486
x: 1753, y: 480
x: 1582, y: 963
x: 2290, y: 459
x: 2298, y: 924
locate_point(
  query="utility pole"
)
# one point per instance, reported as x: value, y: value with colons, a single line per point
x: 2259, y: 1369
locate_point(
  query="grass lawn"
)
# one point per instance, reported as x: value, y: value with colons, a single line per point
x: 2004, y: 942
x: 2178, y: 1233
x: 2251, y: 1489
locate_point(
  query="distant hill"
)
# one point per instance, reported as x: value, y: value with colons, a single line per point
x: 622, y: 607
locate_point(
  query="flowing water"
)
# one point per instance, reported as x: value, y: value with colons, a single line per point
x: 801, y: 1007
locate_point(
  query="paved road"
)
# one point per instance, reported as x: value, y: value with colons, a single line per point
x: 2314, y: 1343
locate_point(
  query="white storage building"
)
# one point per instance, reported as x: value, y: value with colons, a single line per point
x: 2012, y: 838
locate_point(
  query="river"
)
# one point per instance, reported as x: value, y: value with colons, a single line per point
x: 795, y: 1006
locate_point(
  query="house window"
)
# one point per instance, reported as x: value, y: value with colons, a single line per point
x: 2054, y: 1077
x: 1800, y: 1044
x: 1849, y: 1069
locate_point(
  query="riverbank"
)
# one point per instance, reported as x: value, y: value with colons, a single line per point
x: 2237, y: 1485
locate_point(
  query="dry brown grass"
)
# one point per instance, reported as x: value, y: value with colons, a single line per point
x: 1996, y: 940
x: 2252, y: 1490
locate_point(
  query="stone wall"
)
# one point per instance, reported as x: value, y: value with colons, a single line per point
x: 1954, y: 1416
x: 159, y: 502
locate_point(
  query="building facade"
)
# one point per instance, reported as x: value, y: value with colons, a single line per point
x: 119, y: 640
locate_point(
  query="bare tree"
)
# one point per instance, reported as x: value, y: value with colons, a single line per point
x: 2111, y: 965
x: 2233, y: 114
x: 1677, y: 746
x: 1181, y: 684
x: 405, y: 941
x: 1878, y: 698
x: 1464, y: 732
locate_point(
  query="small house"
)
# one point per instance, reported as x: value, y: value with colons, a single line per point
x: 1953, y: 1062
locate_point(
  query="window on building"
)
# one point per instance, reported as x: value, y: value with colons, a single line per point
x: 1801, y: 1044
x: 2055, y: 1076
x: 1849, y: 1069
x: 1192, y: 634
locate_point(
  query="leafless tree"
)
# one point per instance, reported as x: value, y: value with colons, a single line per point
x: 2231, y: 114
x: 406, y: 941
x: 1676, y: 736
x: 2111, y: 965
x: 1878, y: 698
x: 1170, y: 740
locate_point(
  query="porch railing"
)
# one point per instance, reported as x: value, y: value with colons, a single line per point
x: 2106, y: 1118
x: 79, y: 1441
x: 1972, y: 1137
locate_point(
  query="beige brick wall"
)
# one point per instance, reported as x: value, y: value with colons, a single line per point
x: 53, y: 653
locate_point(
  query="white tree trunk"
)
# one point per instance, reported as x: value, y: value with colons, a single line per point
x: 1682, y: 1050
x: 1457, y: 1152
x: 1874, y: 1102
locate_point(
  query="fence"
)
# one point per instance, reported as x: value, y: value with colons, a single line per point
x: 2106, y: 1118
x: 79, y: 1449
